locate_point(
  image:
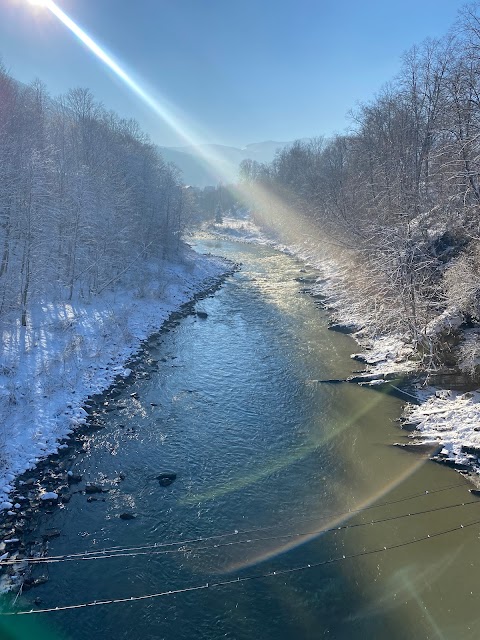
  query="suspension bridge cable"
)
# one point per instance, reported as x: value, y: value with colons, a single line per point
x: 151, y: 549
x: 243, y: 579
x: 235, y: 532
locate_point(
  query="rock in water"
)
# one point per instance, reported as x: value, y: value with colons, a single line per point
x: 341, y: 328
x: 93, y: 488
x: 127, y: 516
x: 50, y: 534
x: 12, y: 545
x: 423, y: 448
x: 166, y: 478
x: 49, y: 496
x: 73, y: 478
x: 30, y: 582
x: 202, y: 314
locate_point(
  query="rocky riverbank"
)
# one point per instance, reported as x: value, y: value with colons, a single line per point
x: 49, y: 484
x: 442, y: 408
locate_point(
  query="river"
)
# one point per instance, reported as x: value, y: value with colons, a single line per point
x: 233, y: 405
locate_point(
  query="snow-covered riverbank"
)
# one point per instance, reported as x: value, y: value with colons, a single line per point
x: 445, y: 416
x: 71, y: 351
x: 383, y: 353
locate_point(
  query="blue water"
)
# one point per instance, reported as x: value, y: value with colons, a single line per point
x: 231, y: 403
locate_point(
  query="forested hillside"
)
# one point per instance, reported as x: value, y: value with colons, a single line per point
x: 84, y: 197
x: 91, y: 261
x: 398, y: 197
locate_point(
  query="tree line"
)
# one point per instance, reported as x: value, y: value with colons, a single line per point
x: 84, y: 197
x: 398, y: 195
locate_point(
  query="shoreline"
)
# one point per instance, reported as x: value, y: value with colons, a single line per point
x: 447, y: 417
x: 50, y: 370
x: 51, y: 478
x: 49, y: 484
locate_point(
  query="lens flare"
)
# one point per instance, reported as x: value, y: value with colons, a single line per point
x: 226, y: 169
x: 268, y: 206
x: 293, y: 227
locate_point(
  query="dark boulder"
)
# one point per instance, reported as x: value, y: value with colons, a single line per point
x: 30, y: 582
x: 94, y: 488
x: 342, y: 328
x: 475, y: 451
x: 166, y: 478
x: 73, y: 478
x: 202, y: 314
x: 409, y: 426
x: 50, y: 534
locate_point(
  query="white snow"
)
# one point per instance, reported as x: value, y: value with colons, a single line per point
x: 387, y: 353
x: 240, y: 230
x: 72, y: 350
x: 449, y: 320
x: 49, y: 495
x: 450, y: 418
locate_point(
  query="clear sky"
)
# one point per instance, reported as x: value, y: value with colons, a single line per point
x: 242, y: 70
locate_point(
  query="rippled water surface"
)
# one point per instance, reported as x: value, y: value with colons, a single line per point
x: 233, y: 405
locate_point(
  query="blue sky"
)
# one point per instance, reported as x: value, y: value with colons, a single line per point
x: 241, y: 71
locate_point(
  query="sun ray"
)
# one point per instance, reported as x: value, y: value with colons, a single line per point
x: 257, y: 197
x: 290, y: 223
x: 224, y: 168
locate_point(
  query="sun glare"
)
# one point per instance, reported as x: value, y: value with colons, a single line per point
x: 259, y: 197
x: 224, y: 168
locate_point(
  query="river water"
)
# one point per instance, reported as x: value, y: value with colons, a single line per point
x: 233, y: 405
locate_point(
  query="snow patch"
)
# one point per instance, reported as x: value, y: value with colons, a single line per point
x: 452, y: 419
x: 49, y: 495
x: 72, y: 350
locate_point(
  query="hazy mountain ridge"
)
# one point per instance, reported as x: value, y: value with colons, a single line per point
x: 197, y: 172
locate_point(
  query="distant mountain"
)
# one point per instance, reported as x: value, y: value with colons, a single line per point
x: 264, y: 151
x: 198, y: 172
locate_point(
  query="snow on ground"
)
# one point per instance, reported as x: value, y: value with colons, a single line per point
x: 240, y: 230
x: 70, y: 351
x: 386, y: 353
x: 449, y: 417
x: 452, y: 419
